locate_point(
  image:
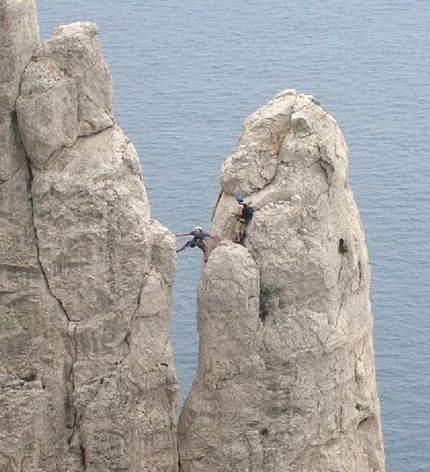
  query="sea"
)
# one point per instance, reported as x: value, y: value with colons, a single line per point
x: 187, y: 73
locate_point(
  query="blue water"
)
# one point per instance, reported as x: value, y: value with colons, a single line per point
x: 186, y: 75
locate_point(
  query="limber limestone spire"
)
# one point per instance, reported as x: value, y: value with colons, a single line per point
x: 87, y: 380
x: 286, y: 375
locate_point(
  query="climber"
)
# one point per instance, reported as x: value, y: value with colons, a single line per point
x: 198, y: 240
x: 244, y: 215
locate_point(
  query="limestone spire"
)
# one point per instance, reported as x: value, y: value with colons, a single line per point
x: 286, y: 375
x: 86, y: 369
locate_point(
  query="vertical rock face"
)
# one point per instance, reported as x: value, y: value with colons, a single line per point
x: 19, y: 35
x: 87, y: 380
x: 286, y: 377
